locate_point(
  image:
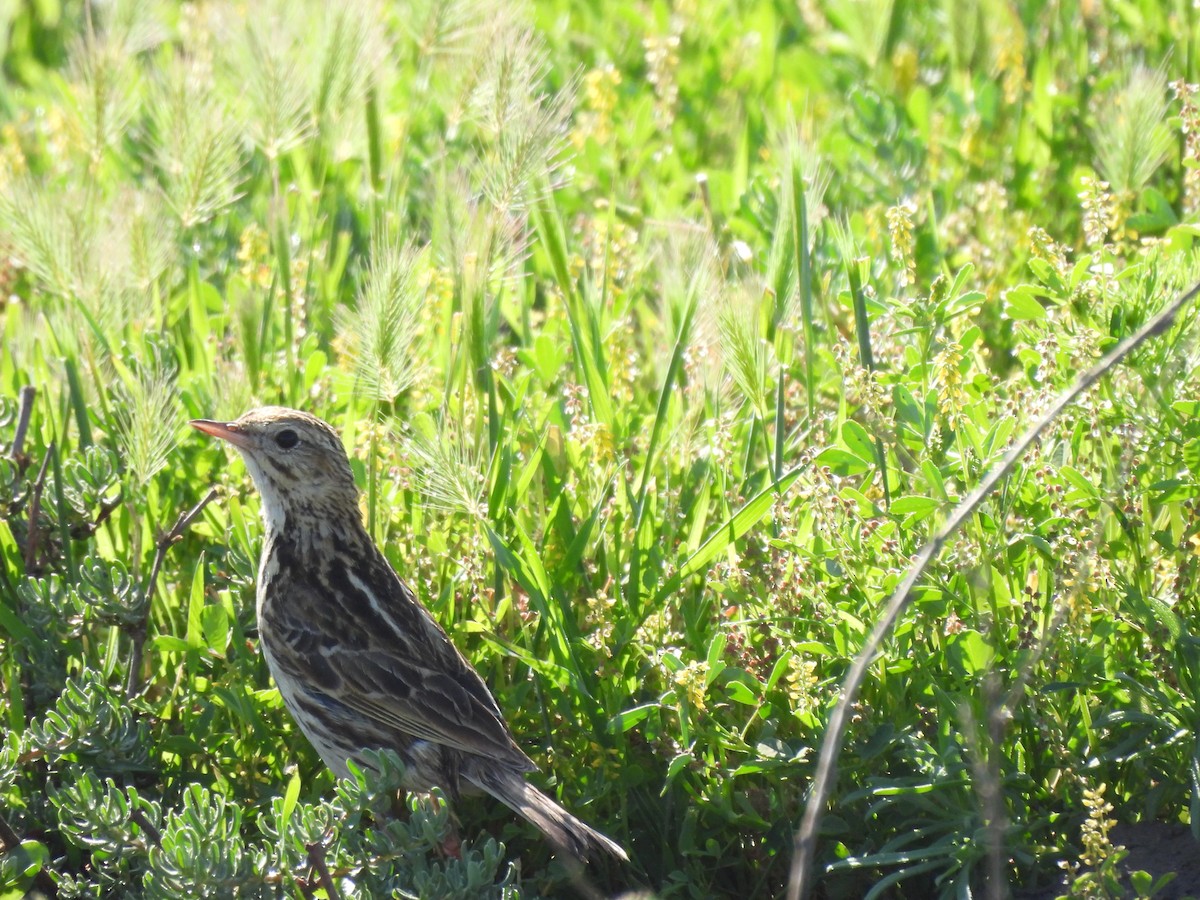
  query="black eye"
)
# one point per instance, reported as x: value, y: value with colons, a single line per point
x: 287, y: 439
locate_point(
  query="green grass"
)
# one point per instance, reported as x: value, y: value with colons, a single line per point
x: 662, y: 337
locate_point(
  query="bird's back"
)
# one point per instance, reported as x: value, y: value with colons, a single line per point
x: 360, y: 660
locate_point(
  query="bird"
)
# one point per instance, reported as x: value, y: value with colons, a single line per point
x: 360, y: 663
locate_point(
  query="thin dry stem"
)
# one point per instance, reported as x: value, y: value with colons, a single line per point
x: 35, y: 509
x: 164, y: 544
x: 316, y: 856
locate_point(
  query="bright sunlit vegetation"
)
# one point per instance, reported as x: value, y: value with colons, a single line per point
x: 662, y: 336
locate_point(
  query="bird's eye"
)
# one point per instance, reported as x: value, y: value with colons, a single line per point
x: 287, y: 439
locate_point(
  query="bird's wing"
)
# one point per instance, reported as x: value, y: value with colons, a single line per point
x: 377, y: 651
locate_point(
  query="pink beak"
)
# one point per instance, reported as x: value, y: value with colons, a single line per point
x: 226, y: 431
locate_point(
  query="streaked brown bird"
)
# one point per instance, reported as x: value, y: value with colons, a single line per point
x: 361, y: 664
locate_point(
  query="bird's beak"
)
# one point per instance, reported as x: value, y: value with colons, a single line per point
x: 226, y: 431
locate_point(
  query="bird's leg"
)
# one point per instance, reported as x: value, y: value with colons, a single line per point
x: 451, y: 845
x: 400, y: 810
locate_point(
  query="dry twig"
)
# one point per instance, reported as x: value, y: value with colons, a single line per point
x: 164, y: 544
x: 316, y: 856
x: 35, y: 509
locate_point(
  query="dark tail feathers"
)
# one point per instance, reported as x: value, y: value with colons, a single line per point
x: 563, y: 830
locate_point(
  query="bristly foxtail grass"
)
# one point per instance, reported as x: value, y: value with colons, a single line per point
x: 48, y: 230
x: 291, y: 82
x: 103, y: 91
x: 525, y: 128
x: 442, y: 31
x: 151, y: 235
x: 693, y: 279
x: 482, y: 247
x: 744, y: 348
x: 449, y: 467
x: 481, y: 244
x: 867, y: 24
x: 352, y: 49
x: 693, y: 283
x: 689, y: 261
x: 353, y: 45
x: 522, y: 138
x: 76, y: 244
x: 1132, y: 138
x: 266, y: 82
x: 134, y: 25
x: 196, y: 147
x: 228, y: 393
x: 802, y: 172
x: 147, y: 418
x: 380, y: 330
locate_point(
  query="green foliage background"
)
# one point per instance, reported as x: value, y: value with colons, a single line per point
x: 662, y: 335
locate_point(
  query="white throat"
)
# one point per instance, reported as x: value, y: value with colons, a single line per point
x: 273, y: 513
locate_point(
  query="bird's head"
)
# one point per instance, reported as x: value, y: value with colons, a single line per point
x: 297, y: 462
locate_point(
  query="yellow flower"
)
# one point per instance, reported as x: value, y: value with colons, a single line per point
x: 693, y: 678
x: 948, y: 382
x: 801, y: 680
x: 1097, y: 846
x: 600, y: 101
x: 254, y: 253
x: 900, y: 228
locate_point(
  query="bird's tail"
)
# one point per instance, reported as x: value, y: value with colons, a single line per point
x: 565, y: 831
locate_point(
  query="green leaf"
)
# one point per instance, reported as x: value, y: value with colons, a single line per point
x: 9, y: 620
x: 1080, y: 482
x: 715, y: 658
x: 998, y: 435
x: 623, y: 721
x: 933, y: 476
x: 1155, y: 215
x: 915, y: 507
x: 549, y: 356
x: 1039, y: 543
x: 168, y: 643
x: 21, y: 863
x: 777, y: 670
x: 972, y: 651
x: 1048, y: 275
x: 195, y: 621
x: 1188, y: 408
x: 740, y: 692
x: 1181, y: 237
x: 215, y: 625
x: 1154, y: 610
x: 858, y: 442
x: 842, y: 462
x: 1191, y: 455
x: 1021, y: 305
x: 1172, y: 490
x: 290, y: 797
x: 677, y: 765
x: 316, y: 363
x: 729, y: 531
